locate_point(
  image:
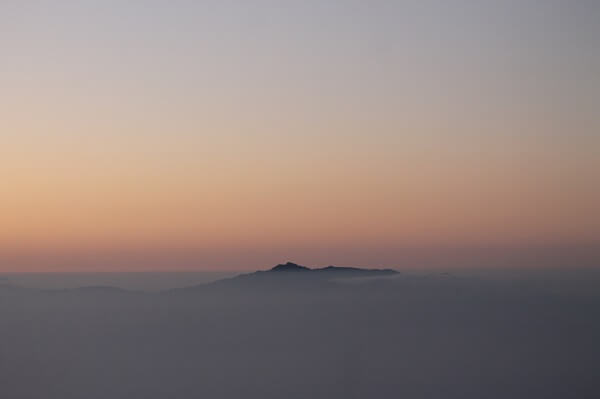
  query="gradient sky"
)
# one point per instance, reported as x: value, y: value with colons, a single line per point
x: 144, y: 135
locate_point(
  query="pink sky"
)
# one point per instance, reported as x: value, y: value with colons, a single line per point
x: 235, y: 135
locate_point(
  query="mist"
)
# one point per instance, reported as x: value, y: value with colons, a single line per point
x: 331, y: 333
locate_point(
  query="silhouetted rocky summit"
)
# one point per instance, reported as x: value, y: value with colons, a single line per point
x: 331, y: 270
x: 291, y: 276
x: 289, y: 267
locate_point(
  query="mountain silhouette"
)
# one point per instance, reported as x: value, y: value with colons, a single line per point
x: 331, y: 270
x: 293, y: 272
x: 289, y: 267
x: 290, y: 276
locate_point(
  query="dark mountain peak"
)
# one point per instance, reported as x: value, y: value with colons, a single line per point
x: 293, y: 276
x: 293, y: 267
x: 289, y: 267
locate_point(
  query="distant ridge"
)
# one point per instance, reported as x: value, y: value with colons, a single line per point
x: 293, y: 267
x: 289, y: 267
x: 291, y: 276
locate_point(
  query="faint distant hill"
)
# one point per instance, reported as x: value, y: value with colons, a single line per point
x: 7, y: 288
x: 290, y: 275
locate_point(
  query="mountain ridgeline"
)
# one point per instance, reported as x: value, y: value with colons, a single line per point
x: 332, y: 271
x: 290, y: 276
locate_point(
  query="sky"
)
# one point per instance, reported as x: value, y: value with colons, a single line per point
x: 225, y: 135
